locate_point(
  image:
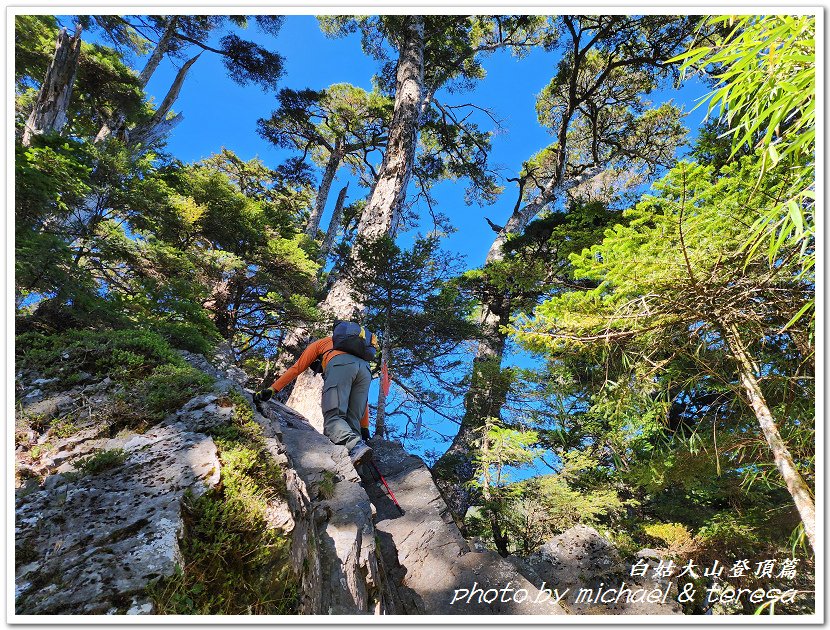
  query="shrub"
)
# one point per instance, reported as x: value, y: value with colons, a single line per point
x: 38, y: 450
x: 169, y: 387
x: 326, y: 485
x: 123, y: 355
x: 62, y: 427
x: 676, y: 538
x: 725, y: 532
x: 198, y: 334
x: 233, y: 562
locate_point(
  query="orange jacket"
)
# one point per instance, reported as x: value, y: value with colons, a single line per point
x: 314, y: 350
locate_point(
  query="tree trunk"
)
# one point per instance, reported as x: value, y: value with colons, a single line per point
x: 499, y: 538
x: 386, y: 354
x: 159, y: 125
x: 381, y: 212
x: 159, y: 52
x: 49, y: 113
x: 323, y: 192
x: 484, y: 399
x: 115, y: 126
x: 331, y: 232
x: 221, y: 302
x: 380, y: 216
x: 488, y: 387
x: 800, y: 492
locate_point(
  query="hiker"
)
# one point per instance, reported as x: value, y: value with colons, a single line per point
x: 347, y: 376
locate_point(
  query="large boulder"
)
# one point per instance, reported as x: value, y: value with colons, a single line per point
x: 91, y: 544
x: 581, y: 558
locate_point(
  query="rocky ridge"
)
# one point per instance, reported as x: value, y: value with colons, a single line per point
x: 91, y: 543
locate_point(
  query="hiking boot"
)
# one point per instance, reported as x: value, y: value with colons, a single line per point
x: 360, y: 453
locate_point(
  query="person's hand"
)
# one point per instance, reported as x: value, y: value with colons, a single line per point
x: 364, y: 433
x: 264, y: 395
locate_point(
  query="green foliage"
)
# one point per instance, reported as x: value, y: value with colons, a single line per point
x: 765, y: 69
x: 234, y: 562
x: 415, y: 303
x: 103, y: 83
x: 643, y: 346
x: 766, y: 93
x: 534, y: 510
x: 727, y: 532
x: 675, y: 537
x: 500, y: 447
x: 688, y: 232
x: 34, y: 44
x: 342, y: 119
x: 101, y: 461
x: 125, y: 355
x: 52, y: 177
x: 197, y: 335
x: 39, y: 450
x: 168, y: 387
x: 62, y: 427
x: 109, y: 233
x: 326, y: 484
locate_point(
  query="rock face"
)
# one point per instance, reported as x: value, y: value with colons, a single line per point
x: 333, y: 540
x: 415, y: 563
x: 93, y: 543
x: 90, y: 543
x: 432, y: 561
x: 582, y: 558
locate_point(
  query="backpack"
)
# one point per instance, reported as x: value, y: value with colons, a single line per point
x: 355, y: 339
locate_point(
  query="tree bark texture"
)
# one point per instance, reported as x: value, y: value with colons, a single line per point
x: 332, y: 165
x: 159, y: 125
x: 380, y: 215
x: 379, y: 218
x: 49, y: 113
x: 221, y: 304
x: 159, y: 52
x: 334, y: 224
x: 797, y: 487
x: 115, y: 126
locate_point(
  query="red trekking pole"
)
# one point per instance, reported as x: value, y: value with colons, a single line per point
x: 386, y: 485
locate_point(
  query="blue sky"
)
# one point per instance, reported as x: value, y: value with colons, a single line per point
x: 220, y: 113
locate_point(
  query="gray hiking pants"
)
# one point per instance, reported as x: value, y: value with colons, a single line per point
x: 345, y: 396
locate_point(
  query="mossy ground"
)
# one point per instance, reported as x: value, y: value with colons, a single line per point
x: 233, y: 562
x: 101, y: 461
x: 154, y: 380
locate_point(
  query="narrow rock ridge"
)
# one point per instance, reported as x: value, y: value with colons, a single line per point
x: 333, y: 540
x: 355, y: 553
x: 371, y: 559
x: 436, y: 560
